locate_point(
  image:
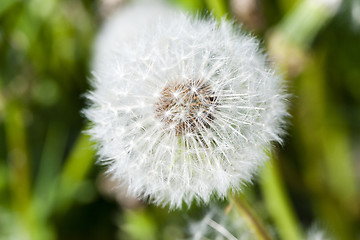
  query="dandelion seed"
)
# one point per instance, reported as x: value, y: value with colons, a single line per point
x: 201, y: 105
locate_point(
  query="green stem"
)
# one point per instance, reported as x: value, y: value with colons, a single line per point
x: 19, y: 162
x: 252, y: 220
x: 278, y: 203
x: 77, y: 166
x: 46, y: 182
x: 303, y: 23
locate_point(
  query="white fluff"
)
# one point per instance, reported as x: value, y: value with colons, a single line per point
x: 182, y: 108
x: 218, y: 225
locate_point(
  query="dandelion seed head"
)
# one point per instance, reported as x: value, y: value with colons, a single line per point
x: 185, y: 106
x: 195, y: 102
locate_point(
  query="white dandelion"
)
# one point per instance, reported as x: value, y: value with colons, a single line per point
x: 315, y: 232
x: 183, y: 108
x: 218, y: 225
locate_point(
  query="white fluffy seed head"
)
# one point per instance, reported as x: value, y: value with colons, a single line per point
x: 183, y: 108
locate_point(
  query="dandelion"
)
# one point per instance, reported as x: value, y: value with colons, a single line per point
x: 183, y: 108
x: 222, y: 225
x: 315, y: 232
x: 217, y: 224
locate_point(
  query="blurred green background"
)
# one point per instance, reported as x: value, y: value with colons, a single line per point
x: 50, y: 187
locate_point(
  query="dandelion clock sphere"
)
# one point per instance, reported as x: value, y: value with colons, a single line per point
x: 182, y: 108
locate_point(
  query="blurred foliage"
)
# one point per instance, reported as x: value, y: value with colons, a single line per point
x: 49, y: 184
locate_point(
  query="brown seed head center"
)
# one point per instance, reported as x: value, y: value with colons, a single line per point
x: 186, y: 107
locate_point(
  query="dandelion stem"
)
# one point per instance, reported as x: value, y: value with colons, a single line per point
x: 278, y: 203
x: 252, y: 220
